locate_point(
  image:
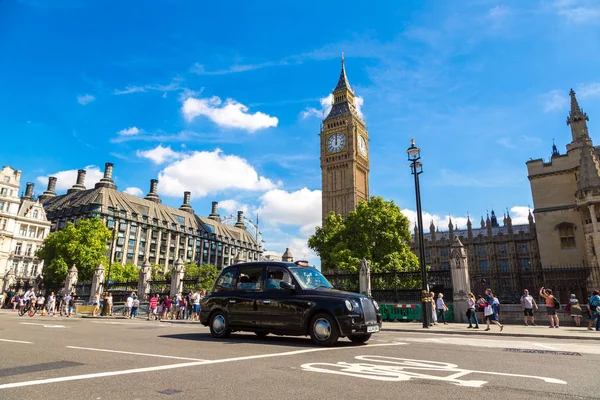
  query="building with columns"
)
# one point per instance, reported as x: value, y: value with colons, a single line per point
x: 23, y: 228
x: 146, y: 229
x: 505, y: 257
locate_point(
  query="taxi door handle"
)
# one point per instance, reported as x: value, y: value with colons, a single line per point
x: 232, y: 301
x: 267, y: 301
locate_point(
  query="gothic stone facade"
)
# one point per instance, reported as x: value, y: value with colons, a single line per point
x: 146, y: 229
x: 505, y: 258
x: 23, y: 228
x: 344, y: 153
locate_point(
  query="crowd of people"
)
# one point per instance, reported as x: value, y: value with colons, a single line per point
x: 50, y: 304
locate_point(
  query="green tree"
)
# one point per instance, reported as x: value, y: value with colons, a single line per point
x: 124, y: 273
x: 157, y: 272
x: 83, y: 245
x: 191, y: 271
x: 207, y: 276
x: 377, y: 231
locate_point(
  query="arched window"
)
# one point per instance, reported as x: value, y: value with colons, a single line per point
x: 566, y: 233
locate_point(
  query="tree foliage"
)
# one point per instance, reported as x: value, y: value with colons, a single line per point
x: 205, y: 273
x: 83, y: 245
x: 377, y: 231
x: 124, y: 272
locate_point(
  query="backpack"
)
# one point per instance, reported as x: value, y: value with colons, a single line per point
x: 556, y: 303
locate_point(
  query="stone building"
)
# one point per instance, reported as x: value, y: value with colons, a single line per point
x: 505, y: 257
x: 23, y: 228
x: 344, y: 153
x: 146, y: 229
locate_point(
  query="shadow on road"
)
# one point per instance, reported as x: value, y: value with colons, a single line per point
x: 235, y: 339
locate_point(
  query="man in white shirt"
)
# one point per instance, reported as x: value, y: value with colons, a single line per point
x: 527, y: 304
x: 30, y: 297
x: 196, y: 305
x: 128, y: 305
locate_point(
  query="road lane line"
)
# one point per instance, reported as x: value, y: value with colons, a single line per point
x: 44, y: 325
x: 175, y: 366
x: 15, y: 341
x: 545, y: 347
x: 135, y: 354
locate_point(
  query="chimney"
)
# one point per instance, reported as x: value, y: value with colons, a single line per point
x: 186, y: 203
x: 240, y: 222
x: 28, y: 192
x: 78, y: 186
x: 214, y: 212
x: 107, y: 180
x: 50, y: 191
x: 153, y: 196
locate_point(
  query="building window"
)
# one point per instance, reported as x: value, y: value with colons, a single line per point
x: 444, y: 253
x: 23, y: 230
x: 3, y: 191
x: 502, y: 249
x: 525, y: 264
x: 445, y: 266
x: 3, y: 224
x: 566, y: 233
x: 7, y: 179
x: 481, y: 251
x: 18, y: 248
x: 28, y: 249
x: 2, y: 205
x: 503, y: 265
x: 34, y: 270
x: 427, y: 254
x: 25, y: 270
x: 35, y: 214
x: 32, y: 232
x: 483, y: 266
x: 523, y: 248
x: 15, y: 266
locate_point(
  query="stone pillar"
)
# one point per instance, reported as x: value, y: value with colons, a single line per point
x: 461, y: 285
x: 177, y: 277
x: 97, y: 281
x: 364, y: 277
x: 10, y: 279
x: 144, y: 280
x: 71, y: 281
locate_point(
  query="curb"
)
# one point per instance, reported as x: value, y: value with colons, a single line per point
x: 183, y: 322
x: 104, y: 317
x: 491, y: 333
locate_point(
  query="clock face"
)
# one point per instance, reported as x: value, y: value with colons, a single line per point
x: 336, y: 142
x: 362, y: 146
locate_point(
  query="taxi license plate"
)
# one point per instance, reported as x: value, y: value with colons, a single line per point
x: 371, y: 329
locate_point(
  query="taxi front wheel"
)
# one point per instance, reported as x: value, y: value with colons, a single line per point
x: 219, y: 326
x: 324, y: 330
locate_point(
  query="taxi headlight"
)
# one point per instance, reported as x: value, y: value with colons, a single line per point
x: 376, y: 305
x: 349, y: 305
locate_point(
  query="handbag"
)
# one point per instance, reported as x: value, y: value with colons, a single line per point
x: 488, y: 310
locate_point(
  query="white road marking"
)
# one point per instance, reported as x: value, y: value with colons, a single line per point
x: 44, y: 325
x: 15, y: 341
x: 175, y: 366
x: 391, y: 369
x: 135, y: 354
x: 545, y: 347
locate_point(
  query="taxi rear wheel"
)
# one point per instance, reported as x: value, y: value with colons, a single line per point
x: 360, y: 338
x: 324, y: 330
x: 219, y: 326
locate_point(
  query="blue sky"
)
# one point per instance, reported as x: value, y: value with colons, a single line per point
x: 224, y: 99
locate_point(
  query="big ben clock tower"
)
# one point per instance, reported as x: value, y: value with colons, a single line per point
x: 344, y: 153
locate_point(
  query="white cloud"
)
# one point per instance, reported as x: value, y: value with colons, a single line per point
x: 506, y: 142
x: 300, y: 250
x: 174, y: 85
x: 204, y: 172
x: 519, y: 215
x: 85, y: 99
x: 498, y: 13
x: 554, y: 100
x: 231, y: 206
x: 230, y: 114
x: 581, y: 15
x: 588, y: 90
x: 129, y: 131
x: 134, y: 191
x: 302, y: 207
x: 159, y: 154
x: 66, y: 179
x: 326, y: 103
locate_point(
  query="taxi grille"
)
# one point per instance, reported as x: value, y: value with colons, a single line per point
x: 369, y: 311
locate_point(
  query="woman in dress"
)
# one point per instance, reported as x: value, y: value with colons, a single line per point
x: 575, y: 309
x: 471, y: 313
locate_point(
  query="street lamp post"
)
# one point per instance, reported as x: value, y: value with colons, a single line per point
x: 110, y: 255
x: 414, y: 157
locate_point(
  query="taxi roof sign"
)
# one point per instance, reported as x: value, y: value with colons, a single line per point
x: 302, y: 263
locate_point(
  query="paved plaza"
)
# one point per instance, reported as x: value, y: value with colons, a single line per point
x: 58, y: 358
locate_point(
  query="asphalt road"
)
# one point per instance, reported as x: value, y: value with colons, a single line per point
x: 74, y: 358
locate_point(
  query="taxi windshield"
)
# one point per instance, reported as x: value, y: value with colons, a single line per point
x: 310, y: 278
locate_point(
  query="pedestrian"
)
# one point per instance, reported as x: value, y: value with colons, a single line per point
x: 40, y: 302
x: 96, y: 304
x: 594, y: 306
x: 574, y: 308
x: 109, y: 302
x: 153, y: 305
x: 166, y: 304
x: 490, y: 315
x: 15, y: 301
x: 471, y: 313
x: 135, y: 306
x: 527, y: 304
x: 496, y: 307
x: 182, y: 307
x: 52, y: 304
x: 195, y: 298
x: 128, y: 306
x: 552, y: 305
x: 433, y: 308
x: 67, y: 303
x: 441, y: 308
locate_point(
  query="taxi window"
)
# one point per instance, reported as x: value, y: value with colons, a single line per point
x: 276, y: 275
x: 250, y: 279
x: 225, y: 281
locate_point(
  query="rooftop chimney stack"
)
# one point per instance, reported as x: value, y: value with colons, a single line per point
x: 28, y: 191
x: 78, y: 186
x: 186, y: 203
x: 107, y: 180
x: 50, y: 191
x: 214, y: 213
x: 240, y: 220
x: 153, y: 196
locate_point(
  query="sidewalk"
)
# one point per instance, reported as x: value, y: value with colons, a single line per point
x: 540, y: 331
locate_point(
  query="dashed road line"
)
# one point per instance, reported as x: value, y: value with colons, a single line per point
x: 15, y: 341
x: 134, y: 353
x: 44, y: 325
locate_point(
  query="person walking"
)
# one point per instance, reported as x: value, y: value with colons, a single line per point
x: 433, y: 309
x: 441, y: 308
x: 40, y: 302
x: 488, y: 312
x: 152, y: 307
x: 496, y: 307
x: 67, y: 304
x: 166, y: 304
x: 195, y: 298
x: 134, y: 307
x: 52, y: 304
x: 552, y: 306
x: 594, y: 306
x: 109, y: 302
x: 96, y: 304
x: 527, y: 304
x: 471, y: 313
x: 574, y: 308
x: 128, y: 306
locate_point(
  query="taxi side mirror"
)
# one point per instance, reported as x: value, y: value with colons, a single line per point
x: 286, y: 286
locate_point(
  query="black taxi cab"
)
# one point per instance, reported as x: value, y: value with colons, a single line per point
x: 287, y: 299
